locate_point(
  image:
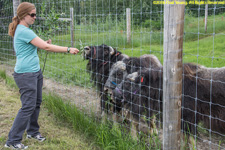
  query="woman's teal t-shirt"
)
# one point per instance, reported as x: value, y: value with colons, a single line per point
x: 27, y: 59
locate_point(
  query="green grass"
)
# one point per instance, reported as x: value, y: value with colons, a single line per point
x: 9, y: 81
x: 193, y: 26
x: 105, y: 136
x: 65, y: 68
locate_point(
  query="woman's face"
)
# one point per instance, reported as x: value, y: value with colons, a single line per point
x: 30, y: 18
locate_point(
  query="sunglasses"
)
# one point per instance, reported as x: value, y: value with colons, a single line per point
x: 32, y: 15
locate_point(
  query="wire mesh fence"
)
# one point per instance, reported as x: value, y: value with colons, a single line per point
x: 119, y: 73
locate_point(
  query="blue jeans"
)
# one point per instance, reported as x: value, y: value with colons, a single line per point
x: 30, y: 88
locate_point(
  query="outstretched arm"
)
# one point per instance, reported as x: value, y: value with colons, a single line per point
x: 46, y: 45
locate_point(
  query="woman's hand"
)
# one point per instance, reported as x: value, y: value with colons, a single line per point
x: 74, y: 50
x: 49, y: 41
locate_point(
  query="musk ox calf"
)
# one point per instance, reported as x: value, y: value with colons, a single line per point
x: 121, y: 69
x: 203, y: 96
x: 141, y: 94
x: 100, y: 59
x: 129, y: 65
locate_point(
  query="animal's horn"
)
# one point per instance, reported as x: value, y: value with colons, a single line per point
x: 86, y: 48
x: 133, y: 76
x: 123, y: 66
x: 112, y: 51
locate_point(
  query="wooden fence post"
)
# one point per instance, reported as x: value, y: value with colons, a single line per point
x: 71, y: 27
x: 15, y: 5
x: 206, y: 16
x: 172, y: 73
x: 128, y: 18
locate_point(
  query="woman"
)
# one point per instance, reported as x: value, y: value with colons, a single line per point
x: 28, y: 75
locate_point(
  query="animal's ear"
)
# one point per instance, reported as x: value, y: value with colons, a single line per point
x: 111, y: 50
x: 94, y: 53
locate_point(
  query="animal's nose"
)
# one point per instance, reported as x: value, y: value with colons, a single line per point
x: 106, y: 89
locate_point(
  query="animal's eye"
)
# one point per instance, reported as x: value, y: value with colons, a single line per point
x: 127, y: 83
x: 106, y: 52
x: 119, y: 74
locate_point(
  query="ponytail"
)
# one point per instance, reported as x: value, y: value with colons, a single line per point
x: 13, y: 25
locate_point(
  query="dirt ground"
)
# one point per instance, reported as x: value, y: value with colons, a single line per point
x: 88, y: 100
x: 85, y: 99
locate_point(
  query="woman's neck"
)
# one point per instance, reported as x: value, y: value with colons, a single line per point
x: 24, y: 23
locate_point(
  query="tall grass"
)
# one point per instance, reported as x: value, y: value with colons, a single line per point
x: 195, y: 27
x: 102, y: 133
x: 9, y: 81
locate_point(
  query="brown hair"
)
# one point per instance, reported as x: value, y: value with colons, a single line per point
x: 22, y: 10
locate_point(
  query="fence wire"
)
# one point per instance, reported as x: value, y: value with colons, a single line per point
x: 121, y: 81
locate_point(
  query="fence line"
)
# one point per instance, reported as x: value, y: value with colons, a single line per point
x: 95, y: 26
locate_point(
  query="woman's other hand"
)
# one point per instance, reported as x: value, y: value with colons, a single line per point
x: 49, y: 41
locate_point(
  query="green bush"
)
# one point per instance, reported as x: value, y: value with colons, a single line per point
x: 154, y: 25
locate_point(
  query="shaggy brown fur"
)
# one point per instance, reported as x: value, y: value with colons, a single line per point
x: 203, y: 96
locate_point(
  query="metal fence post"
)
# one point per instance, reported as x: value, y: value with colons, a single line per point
x: 172, y: 73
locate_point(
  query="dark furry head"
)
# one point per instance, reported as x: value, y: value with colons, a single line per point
x: 102, y: 52
x: 129, y: 65
x: 141, y: 90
